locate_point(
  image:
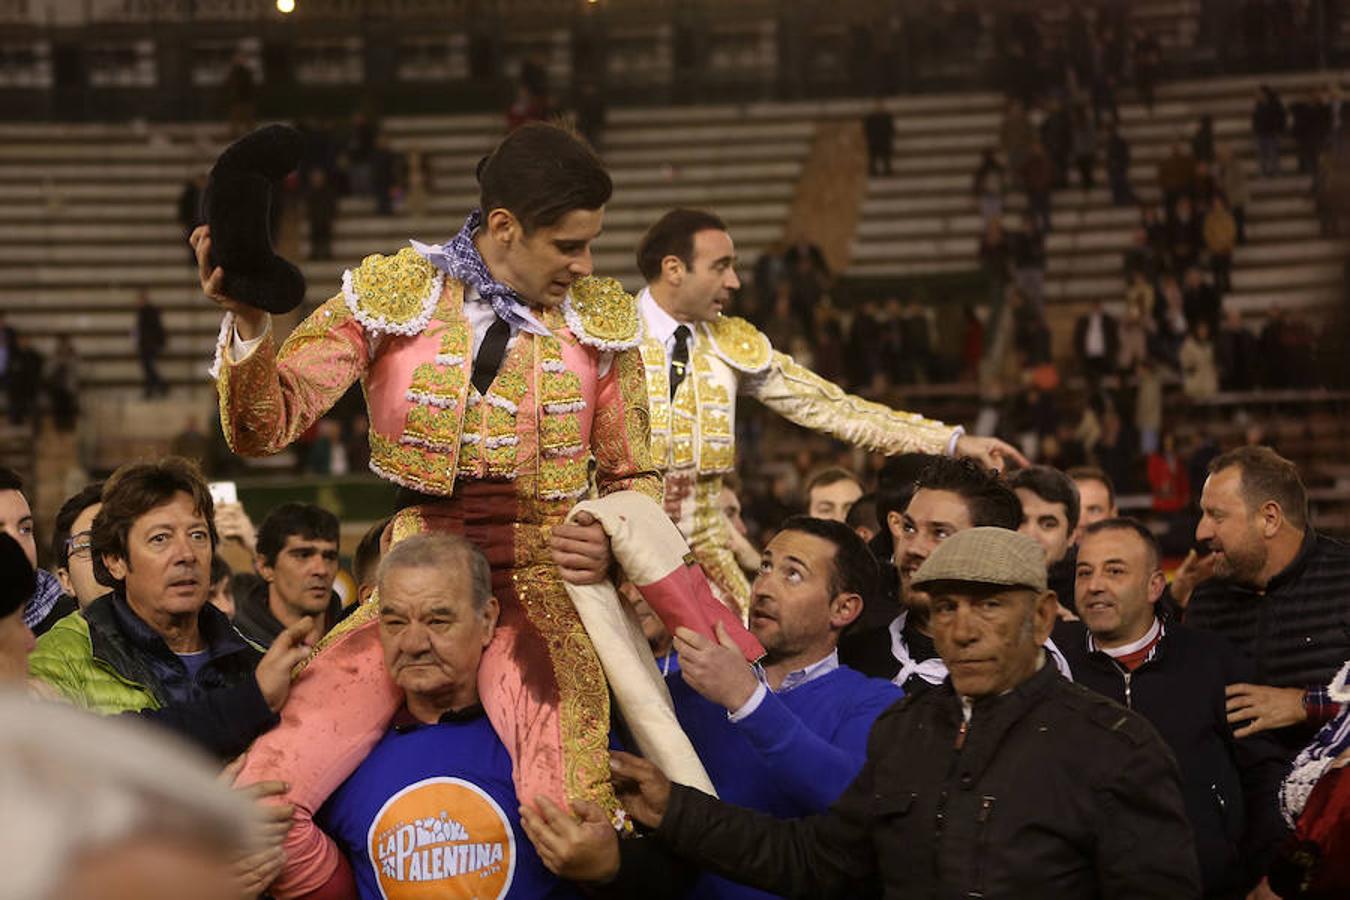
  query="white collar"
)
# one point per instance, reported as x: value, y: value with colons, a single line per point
x: 1133, y: 647
x: 660, y: 324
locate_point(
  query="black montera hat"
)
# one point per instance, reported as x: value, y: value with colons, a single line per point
x: 238, y: 201
x: 18, y: 581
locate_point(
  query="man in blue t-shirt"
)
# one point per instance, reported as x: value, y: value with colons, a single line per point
x: 785, y: 737
x: 432, y: 810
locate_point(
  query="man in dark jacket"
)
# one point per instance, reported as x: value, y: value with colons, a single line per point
x: 298, y: 562
x: 1280, y: 593
x: 153, y: 646
x: 150, y: 341
x: 1176, y: 678
x: 879, y: 130
x: 1007, y: 781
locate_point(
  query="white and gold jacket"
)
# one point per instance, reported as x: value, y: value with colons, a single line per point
x: 694, y: 433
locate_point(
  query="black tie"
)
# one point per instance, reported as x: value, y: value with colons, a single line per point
x: 490, y: 354
x: 679, y: 358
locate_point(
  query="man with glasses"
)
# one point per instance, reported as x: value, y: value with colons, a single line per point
x: 73, y: 562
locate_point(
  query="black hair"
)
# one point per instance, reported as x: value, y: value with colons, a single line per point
x: 989, y: 502
x: 1092, y: 473
x: 895, y: 485
x: 18, y: 579
x: 305, y: 520
x: 673, y: 235
x: 539, y: 173
x: 86, y: 497
x: 863, y: 514
x: 1127, y: 523
x: 366, y: 559
x: 855, y: 568
x: 10, y: 480
x: 1052, y: 486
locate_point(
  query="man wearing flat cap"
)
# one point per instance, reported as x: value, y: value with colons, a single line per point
x: 1005, y: 781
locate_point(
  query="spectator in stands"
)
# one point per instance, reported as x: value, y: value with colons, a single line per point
x: 24, y: 380
x: 1038, y: 178
x: 1309, y: 126
x: 190, y: 209
x: 1268, y: 123
x: 1096, y: 341
x: 18, y: 581
x: 1171, y: 320
x: 1177, y: 677
x: 240, y: 95
x: 1220, y: 240
x: 1016, y: 135
x: 102, y: 810
x: 45, y: 606
x: 1167, y: 477
x: 591, y: 112
x: 1029, y: 259
x: 1202, y: 142
x: 1232, y: 182
x: 366, y: 559
x: 988, y: 185
x: 1235, y: 353
x: 1200, y: 301
x: 150, y: 338
x: 222, y: 593
x: 1083, y: 138
x: 63, y: 385
x: 879, y: 132
x: 321, y: 207
x: 831, y: 493
x: 1146, y: 60
x: 1329, y: 194
x: 1176, y: 177
x: 1035, y: 803
x: 1148, y: 406
x: 948, y: 496
x: 916, y: 342
x: 436, y: 616
x: 1096, y: 496
x: 1050, y: 511
x: 995, y: 257
x: 154, y: 645
x: 1118, y: 167
x: 1056, y: 135
x: 1185, y: 235
x: 786, y: 742
x: 298, y: 562
x: 1280, y: 592
x: 1199, y: 371
x: 1116, y: 450
x: 71, y: 548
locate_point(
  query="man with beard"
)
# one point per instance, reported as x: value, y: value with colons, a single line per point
x: 785, y: 737
x: 1280, y: 593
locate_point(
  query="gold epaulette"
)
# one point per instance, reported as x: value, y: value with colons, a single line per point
x: 602, y: 314
x: 740, y: 344
x: 393, y: 293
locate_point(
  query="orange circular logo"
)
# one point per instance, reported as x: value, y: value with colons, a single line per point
x: 442, y: 838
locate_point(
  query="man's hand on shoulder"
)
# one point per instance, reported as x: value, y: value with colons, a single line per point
x: 716, y: 669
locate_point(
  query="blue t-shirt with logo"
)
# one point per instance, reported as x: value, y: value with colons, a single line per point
x: 432, y: 813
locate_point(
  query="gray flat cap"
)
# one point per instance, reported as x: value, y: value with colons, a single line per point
x: 994, y: 556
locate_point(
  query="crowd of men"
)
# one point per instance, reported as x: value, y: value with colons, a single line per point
x: 971, y: 677
x: 1097, y: 703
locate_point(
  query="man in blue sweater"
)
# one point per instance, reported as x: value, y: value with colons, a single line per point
x: 785, y: 737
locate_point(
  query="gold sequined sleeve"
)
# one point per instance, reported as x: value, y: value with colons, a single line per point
x: 801, y: 396
x: 621, y: 433
x: 269, y: 398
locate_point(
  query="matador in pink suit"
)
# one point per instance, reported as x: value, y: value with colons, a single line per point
x: 497, y: 374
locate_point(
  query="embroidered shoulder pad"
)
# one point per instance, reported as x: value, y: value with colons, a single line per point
x: 394, y: 294
x: 740, y: 344
x: 602, y: 314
